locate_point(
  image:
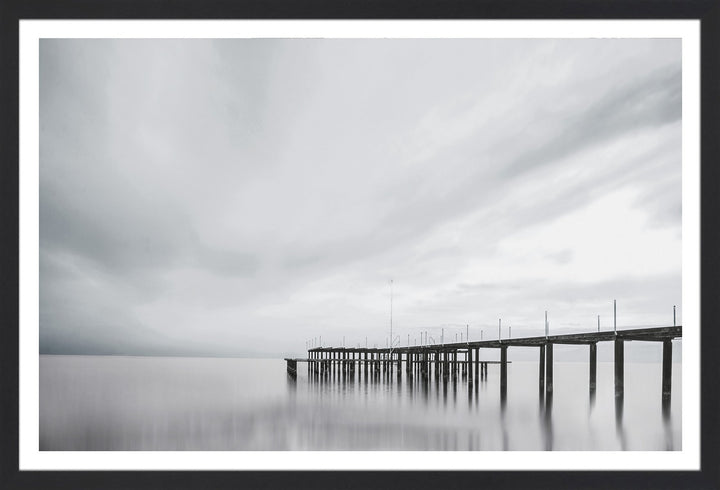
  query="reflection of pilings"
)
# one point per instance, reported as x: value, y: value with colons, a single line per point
x: 619, y: 367
x: 444, y: 385
x: 620, y: 430
x: 470, y: 381
x: 503, y: 426
x: 546, y: 415
x: 454, y: 385
x: 667, y: 423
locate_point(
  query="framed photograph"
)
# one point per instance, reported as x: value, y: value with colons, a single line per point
x: 280, y: 245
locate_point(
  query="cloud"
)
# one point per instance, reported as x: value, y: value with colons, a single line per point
x: 653, y: 100
x: 241, y: 196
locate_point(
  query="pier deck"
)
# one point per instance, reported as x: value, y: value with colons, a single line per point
x: 449, y: 359
x: 657, y: 334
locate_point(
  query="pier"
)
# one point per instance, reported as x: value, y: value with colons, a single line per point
x: 464, y: 358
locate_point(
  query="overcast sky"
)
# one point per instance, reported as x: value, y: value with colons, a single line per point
x: 222, y: 197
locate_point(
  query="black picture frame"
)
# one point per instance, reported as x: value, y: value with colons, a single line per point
x: 706, y: 11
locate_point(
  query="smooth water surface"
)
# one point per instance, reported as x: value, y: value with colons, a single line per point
x: 165, y: 403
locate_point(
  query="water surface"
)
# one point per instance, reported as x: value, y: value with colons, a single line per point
x: 165, y: 403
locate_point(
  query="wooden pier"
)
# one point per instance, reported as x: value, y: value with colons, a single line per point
x: 463, y: 358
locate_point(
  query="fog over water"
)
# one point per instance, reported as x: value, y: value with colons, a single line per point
x: 166, y: 403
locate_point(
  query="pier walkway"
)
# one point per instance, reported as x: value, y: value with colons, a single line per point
x: 464, y: 357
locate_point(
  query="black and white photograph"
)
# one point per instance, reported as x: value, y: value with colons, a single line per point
x: 360, y: 244
x: 346, y: 249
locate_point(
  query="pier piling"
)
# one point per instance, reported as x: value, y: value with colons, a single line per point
x: 503, y: 370
x: 446, y: 360
x: 470, y: 364
x: 593, y: 367
x: 541, y: 369
x: 548, y: 367
x: 667, y: 368
x: 619, y: 367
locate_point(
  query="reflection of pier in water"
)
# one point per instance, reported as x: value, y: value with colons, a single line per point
x: 447, y: 362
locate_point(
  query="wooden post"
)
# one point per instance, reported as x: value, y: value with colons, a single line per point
x: 446, y: 364
x: 667, y: 368
x: 470, y: 364
x: 593, y: 366
x: 619, y: 367
x: 503, y: 370
x: 549, y: 367
x: 477, y: 364
x: 542, y: 368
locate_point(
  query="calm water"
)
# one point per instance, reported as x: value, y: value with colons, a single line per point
x: 153, y: 403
